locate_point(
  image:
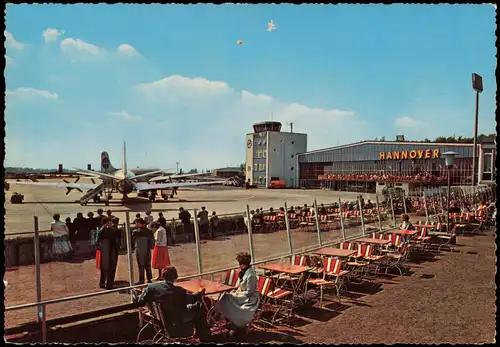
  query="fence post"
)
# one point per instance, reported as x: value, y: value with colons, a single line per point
x: 197, y: 240
x: 392, y: 209
x: 425, y: 207
x: 341, y: 213
x: 128, y: 238
x: 40, y: 314
x: 172, y: 231
x: 441, y: 200
x: 44, y: 324
x: 378, y: 213
x: 361, y: 214
x: 316, y: 218
x: 250, y: 235
x: 404, y: 202
x: 288, y: 231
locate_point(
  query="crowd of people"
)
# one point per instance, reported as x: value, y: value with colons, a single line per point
x: 101, y: 236
x: 420, y: 177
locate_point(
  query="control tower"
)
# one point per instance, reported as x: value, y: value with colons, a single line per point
x: 271, y: 154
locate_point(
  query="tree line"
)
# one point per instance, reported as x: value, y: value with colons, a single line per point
x: 448, y: 139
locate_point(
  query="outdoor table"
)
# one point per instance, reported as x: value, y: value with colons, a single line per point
x: 211, y: 288
x: 372, y: 241
x: 291, y: 270
x: 335, y: 252
x: 403, y: 232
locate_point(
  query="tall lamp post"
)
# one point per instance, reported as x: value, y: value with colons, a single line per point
x: 477, y: 85
x: 449, y: 158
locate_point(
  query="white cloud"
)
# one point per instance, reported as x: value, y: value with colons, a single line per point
x: 177, y: 89
x: 81, y: 50
x: 30, y: 92
x: 77, y: 46
x: 11, y: 42
x: 128, y: 50
x: 406, y: 122
x: 213, y: 114
x: 125, y: 115
x: 51, y: 35
x: 8, y: 60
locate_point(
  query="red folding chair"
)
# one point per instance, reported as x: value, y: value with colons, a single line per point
x: 332, y: 270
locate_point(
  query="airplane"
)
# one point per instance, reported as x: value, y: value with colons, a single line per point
x: 122, y: 181
x: 271, y: 26
x: 199, y: 177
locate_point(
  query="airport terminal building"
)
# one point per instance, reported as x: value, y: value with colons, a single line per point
x: 367, y: 166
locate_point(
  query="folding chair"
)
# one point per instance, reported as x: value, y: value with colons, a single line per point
x: 365, y: 254
x: 421, y: 240
x: 232, y: 277
x: 333, y: 269
x: 167, y: 331
x: 397, y: 258
x: 278, y: 296
x: 447, y: 239
x: 264, y: 285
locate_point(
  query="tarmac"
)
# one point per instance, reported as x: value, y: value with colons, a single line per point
x: 46, y: 201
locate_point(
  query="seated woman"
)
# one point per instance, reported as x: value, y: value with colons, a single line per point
x: 406, y: 225
x: 240, y: 305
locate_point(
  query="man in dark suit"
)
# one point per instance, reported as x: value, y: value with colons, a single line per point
x: 143, y: 240
x: 108, y: 242
x: 179, y: 306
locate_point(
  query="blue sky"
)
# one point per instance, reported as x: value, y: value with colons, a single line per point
x: 172, y: 81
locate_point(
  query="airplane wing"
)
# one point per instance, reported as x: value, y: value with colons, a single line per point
x: 83, y: 186
x: 87, y: 174
x: 95, y: 174
x: 151, y: 173
x: 176, y: 177
x: 141, y: 186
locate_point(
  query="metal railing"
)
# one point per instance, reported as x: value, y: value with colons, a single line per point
x: 389, y: 210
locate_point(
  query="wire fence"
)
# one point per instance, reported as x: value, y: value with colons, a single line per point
x: 57, y: 288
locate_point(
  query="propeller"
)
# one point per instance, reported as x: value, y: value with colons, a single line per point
x: 92, y: 180
x: 70, y: 189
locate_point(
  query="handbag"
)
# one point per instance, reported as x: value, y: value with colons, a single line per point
x: 98, y: 259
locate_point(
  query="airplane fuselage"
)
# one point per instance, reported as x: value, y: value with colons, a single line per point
x: 125, y: 181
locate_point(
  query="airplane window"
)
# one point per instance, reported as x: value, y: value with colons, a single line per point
x: 293, y: 142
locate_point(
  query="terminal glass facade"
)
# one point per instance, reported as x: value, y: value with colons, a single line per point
x: 370, y: 162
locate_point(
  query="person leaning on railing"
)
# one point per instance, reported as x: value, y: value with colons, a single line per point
x: 61, y: 246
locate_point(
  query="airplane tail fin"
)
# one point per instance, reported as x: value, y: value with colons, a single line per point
x: 124, y: 159
x: 106, y: 166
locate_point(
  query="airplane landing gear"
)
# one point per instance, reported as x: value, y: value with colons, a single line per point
x: 97, y: 199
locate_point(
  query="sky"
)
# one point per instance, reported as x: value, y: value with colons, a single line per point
x: 172, y: 81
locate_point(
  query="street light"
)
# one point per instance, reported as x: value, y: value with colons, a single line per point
x: 477, y: 85
x: 449, y: 158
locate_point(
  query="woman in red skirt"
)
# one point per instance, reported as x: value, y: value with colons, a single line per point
x: 160, y: 257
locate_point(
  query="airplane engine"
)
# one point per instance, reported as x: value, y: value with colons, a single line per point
x: 125, y: 187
